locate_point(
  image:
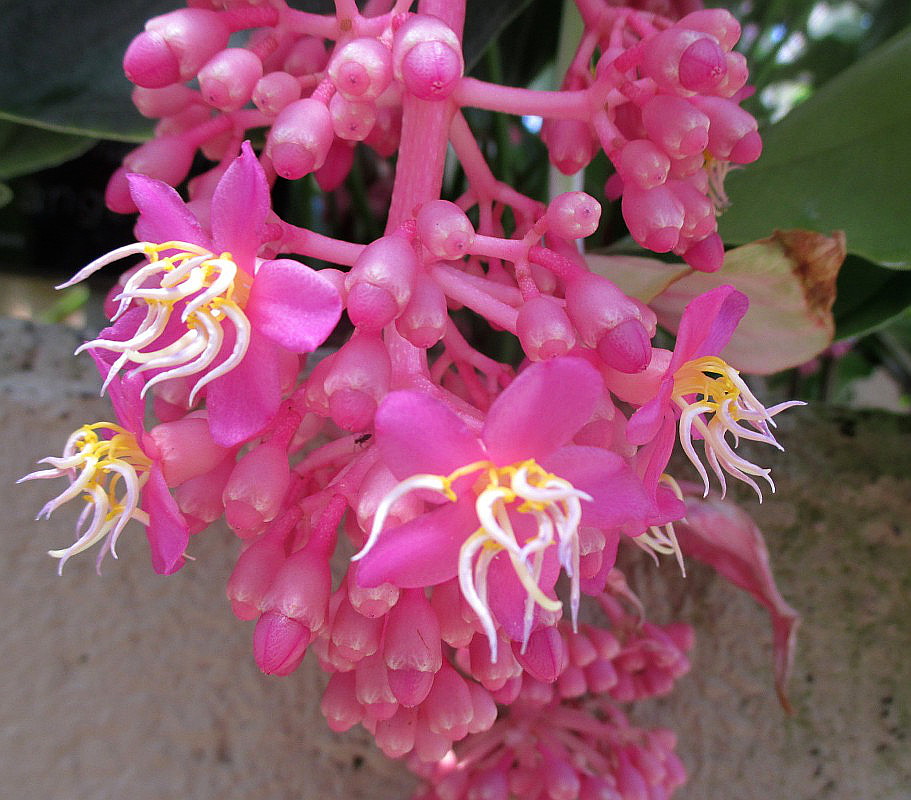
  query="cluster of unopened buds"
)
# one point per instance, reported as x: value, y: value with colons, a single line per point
x: 471, y: 501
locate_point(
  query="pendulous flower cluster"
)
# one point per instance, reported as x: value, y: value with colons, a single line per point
x: 475, y: 499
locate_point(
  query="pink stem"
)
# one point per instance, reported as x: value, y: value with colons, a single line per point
x: 521, y: 102
x: 450, y: 281
x: 307, y: 243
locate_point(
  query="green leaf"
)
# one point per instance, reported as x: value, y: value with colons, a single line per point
x: 62, y: 65
x: 841, y: 160
x: 484, y: 20
x: 25, y: 149
x: 6, y: 194
x: 869, y: 297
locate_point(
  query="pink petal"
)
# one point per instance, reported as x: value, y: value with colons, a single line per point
x: 239, y: 208
x: 618, y: 496
x: 163, y: 216
x: 421, y: 552
x: 167, y: 532
x: 242, y: 402
x: 723, y: 536
x: 292, y: 305
x: 124, y: 391
x: 419, y: 434
x: 506, y: 595
x: 652, y: 458
x: 541, y: 409
x: 707, y: 324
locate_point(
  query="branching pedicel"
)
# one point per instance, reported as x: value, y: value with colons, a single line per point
x: 465, y: 489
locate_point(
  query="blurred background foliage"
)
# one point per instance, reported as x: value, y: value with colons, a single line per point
x: 832, y: 85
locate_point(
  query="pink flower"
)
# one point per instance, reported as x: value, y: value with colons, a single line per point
x: 519, y: 492
x: 117, y: 469
x: 707, y: 396
x: 203, y: 305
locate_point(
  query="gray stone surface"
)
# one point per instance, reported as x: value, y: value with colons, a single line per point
x: 134, y: 686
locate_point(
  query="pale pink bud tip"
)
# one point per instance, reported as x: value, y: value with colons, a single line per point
x: 229, y: 77
x: 626, y: 347
x: 300, y: 138
x: 279, y: 643
x: 351, y: 409
x: 707, y: 255
x: 371, y: 307
x: 544, y: 329
x: 444, y: 229
x: 149, y: 62
x: 117, y: 195
x: 702, y: 66
x: 431, y: 70
x: 573, y: 215
x: 748, y: 149
x: 362, y: 69
x: 570, y: 144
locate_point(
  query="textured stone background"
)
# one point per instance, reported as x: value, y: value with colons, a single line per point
x: 134, y: 686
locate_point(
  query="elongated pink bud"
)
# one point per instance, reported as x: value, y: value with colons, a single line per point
x: 252, y: 575
x: 411, y: 647
x: 352, y: 120
x: 676, y: 125
x: 380, y: 282
x: 449, y: 704
x: 168, y: 159
x: 447, y: 602
x: 654, y: 217
x: 395, y: 735
x: 570, y: 144
x: 279, y: 643
x: 643, y: 163
x: 545, y: 657
x: 174, y: 46
x: 423, y: 322
x: 228, y: 78
x: 353, y: 634
x: 717, y: 22
x: 300, y: 589
x: 483, y: 708
x: 275, y: 91
x: 733, y: 132
x: 492, y: 675
x: 492, y: 784
x: 256, y: 489
x: 357, y: 380
x: 300, y: 138
x: 200, y: 498
x: 307, y: 56
x: 361, y: 69
x: 573, y: 215
x: 445, y: 230
x: 186, y: 449
x: 427, y: 57
x: 372, y: 688
x: 163, y: 102
x: 339, y: 705
x: 336, y: 167
x: 544, y: 329
x: 683, y: 60
x: 373, y: 602
x: 430, y: 747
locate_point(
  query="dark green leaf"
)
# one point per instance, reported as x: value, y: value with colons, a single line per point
x: 841, y: 160
x: 6, y: 194
x: 24, y: 149
x: 868, y: 296
x: 484, y: 20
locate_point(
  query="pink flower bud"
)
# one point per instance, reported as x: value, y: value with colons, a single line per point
x: 608, y: 320
x: 411, y: 647
x: 386, y: 132
x: 117, y: 195
x: 430, y: 747
x: 573, y: 215
x: 561, y: 780
x: 200, y: 498
x: 252, y: 575
x: 337, y: 166
x: 676, y: 125
x: 447, y: 602
x: 706, y: 255
x: 256, y: 489
x: 491, y: 784
x: 380, y: 282
x: 300, y: 589
x: 444, y: 230
x: 228, y: 78
x: 423, y: 322
x: 570, y: 144
x: 352, y: 120
x: 738, y: 73
x: 571, y: 682
x: 678, y: 59
x: 698, y: 212
x: 279, y: 643
x: 733, y: 132
x: 358, y: 379
x: 163, y: 102
x: 372, y: 688
x: 339, y: 705
x: 491, y: 675
x: 174, y: 46
x: 717, y: 22
x: 545, y: 657
x: 373, y: 602
x: 395, y: 736
x: 600, y: 677
x: 427, y: 57
x: 353, y: 634
x: 654, y: 217
x: 300, y: 138
x: 168, y: 159
x: 275, y: 91
x: 643, y: 163
x: 449, y: 704
x: 483, y: 708
x: 361, y: 69
x: 544, y: 329
x: 186, y: 449
x: 192, y: 116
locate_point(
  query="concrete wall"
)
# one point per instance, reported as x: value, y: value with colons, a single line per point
x: 134, y: 686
